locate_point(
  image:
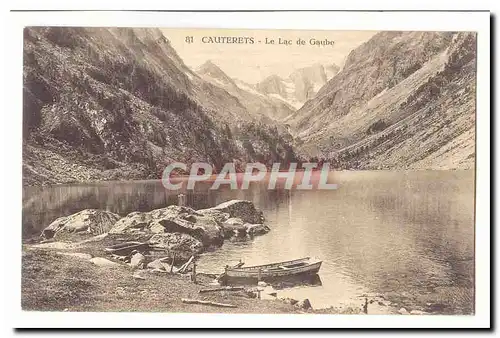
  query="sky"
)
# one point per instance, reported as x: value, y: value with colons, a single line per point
x: 254, y: 62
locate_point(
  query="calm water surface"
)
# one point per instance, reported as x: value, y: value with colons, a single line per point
x: 407, y: 237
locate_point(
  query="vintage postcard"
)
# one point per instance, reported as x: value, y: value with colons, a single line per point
x: 256, y: 171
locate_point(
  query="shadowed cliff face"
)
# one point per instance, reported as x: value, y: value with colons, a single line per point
x: 402, y: 100
x: 119, y: 103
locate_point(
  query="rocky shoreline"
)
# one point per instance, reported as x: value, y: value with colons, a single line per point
x: 173, y: 230
x: 153, y: 258
x: 170, y: 239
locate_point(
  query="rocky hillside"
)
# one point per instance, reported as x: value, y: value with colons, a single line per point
x: 402, y: 100
x: 300, y: 86
x: 261, y: 107
x: 119, y: 103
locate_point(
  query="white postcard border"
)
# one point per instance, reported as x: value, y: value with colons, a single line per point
x: 434, y: 21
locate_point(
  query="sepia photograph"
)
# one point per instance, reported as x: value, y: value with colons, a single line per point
x: 249, y: 171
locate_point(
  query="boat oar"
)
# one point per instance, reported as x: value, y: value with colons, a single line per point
x: 239, y: 265
x: 225, y: 288
x: 205, y: 302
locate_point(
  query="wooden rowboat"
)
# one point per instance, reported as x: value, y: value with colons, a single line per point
x: 294, y: 268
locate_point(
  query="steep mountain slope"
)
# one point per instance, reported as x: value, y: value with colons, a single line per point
x: 261, y: 107
x: 331, y: 71
x: 402, y: 100
x: 112, y: 103
x: 300, y: 86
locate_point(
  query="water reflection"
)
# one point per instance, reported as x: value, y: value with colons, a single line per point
x: 314, y: 280
x: 406, y: 235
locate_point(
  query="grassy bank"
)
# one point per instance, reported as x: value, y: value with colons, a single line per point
x: 52, y: 281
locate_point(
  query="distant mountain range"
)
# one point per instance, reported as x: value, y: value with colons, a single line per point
x: 402, y: 100
x: 274, y: 97
x: 262, y: 107
x: 300, y: 86
x: 119, y: 103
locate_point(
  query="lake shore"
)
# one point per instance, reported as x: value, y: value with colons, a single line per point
x: 435, y: 270
x: 79, y: 262
x: 63, y: 279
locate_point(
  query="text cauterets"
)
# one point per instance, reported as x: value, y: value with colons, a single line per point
x: 228, y: 39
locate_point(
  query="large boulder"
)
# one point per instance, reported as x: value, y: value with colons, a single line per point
x: 256, y: 229
x: 140, y: 222
x: 245, y: 210
x: 234, y: 227
x: 219, y: 216
x: 89, y: 221
x: 173, y: 211
x: 203, y: 228
x: 172, y: 219
x: 134, y: 222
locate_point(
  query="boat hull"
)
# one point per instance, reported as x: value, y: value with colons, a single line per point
x: 254, y: 275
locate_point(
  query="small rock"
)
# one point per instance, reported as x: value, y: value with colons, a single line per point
x: 261, y: 283
x: 304, y: 304
x: 125, y: 259
x: 250, y: 294
x: 99, y: 261
x: 156, y: 264
x: 257, y: 229
x: 436, y: 307
x: 290, y: 301
x: 138, y: 275
x: 403, y: 311
x: 417, y: 312
x: 138, y: 260
x: 234, y: 227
